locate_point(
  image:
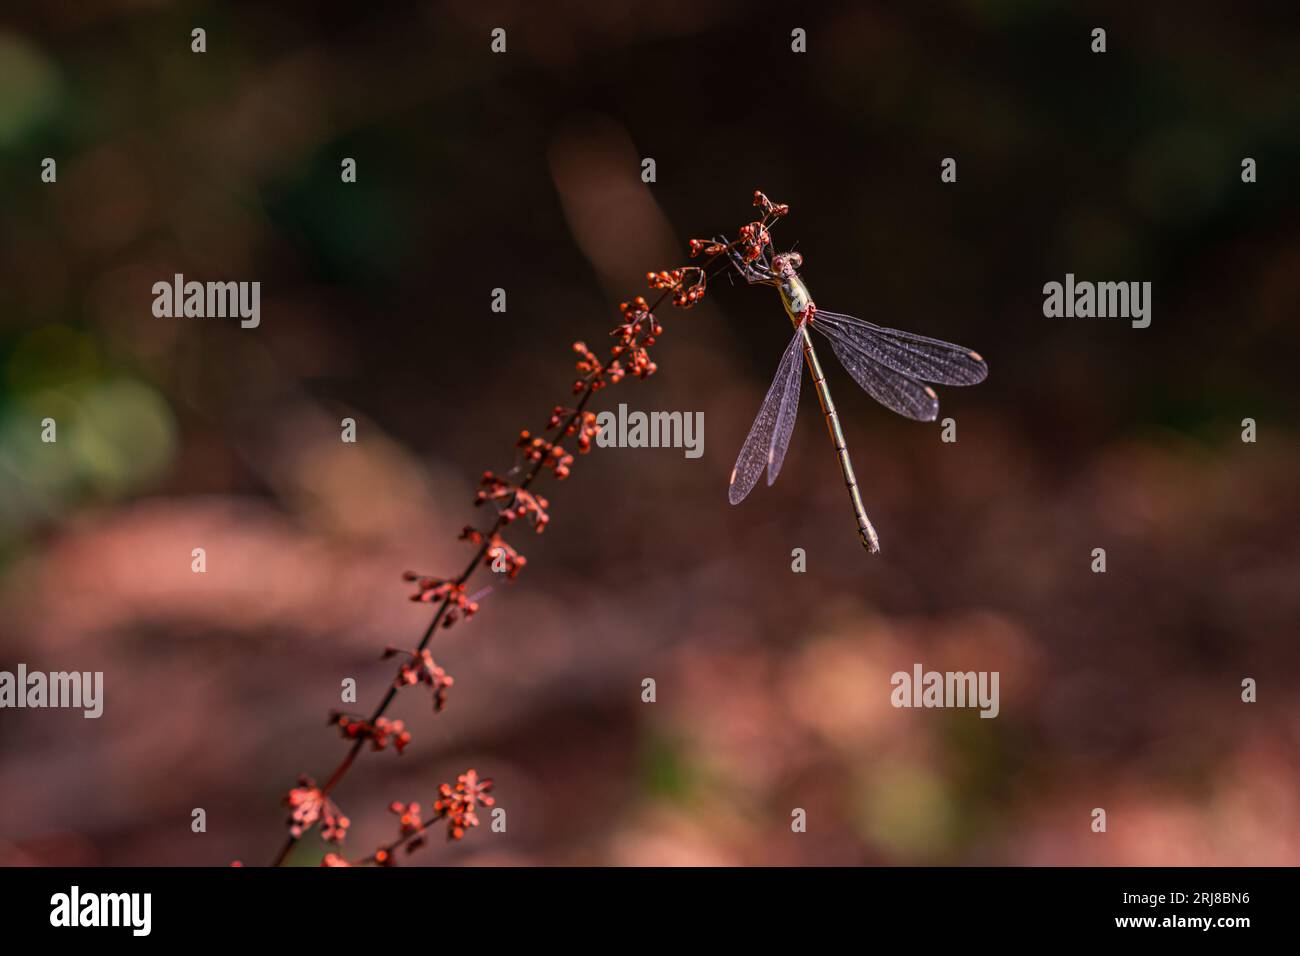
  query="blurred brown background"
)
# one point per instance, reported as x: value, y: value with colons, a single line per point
x: 521, y: 171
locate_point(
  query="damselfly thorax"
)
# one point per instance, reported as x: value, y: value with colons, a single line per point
x: 890, y: 365
x: 794, y: 294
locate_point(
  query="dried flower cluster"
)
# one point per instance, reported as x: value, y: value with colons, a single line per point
x: 380, y: 732
x: 450, y: 595
x: 308, y: 805
x: 421, y: 669
x: 457, y: 804
x: 512, y: 504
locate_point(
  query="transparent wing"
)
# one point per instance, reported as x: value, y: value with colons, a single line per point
x: 769, y: 436
x: 916, y: 356
x: 789, y: 407
x: 895, y: 391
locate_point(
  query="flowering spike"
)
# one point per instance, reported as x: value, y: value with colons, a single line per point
x: 512, y: 499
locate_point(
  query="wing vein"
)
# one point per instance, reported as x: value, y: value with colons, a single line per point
x: 916, y: 356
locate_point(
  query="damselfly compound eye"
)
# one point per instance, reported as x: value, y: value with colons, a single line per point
x: 785, y: 265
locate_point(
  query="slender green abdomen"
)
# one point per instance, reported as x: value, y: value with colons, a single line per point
x: 795, y: 293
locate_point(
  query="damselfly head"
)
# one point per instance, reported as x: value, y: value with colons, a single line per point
x: 785, y: 265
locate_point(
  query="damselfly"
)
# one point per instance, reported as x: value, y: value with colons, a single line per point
x: 893, y: 367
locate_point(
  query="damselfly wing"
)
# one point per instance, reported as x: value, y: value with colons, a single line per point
x: 769, y: 436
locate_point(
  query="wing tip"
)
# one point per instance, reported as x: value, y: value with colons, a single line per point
x: 734, y: 495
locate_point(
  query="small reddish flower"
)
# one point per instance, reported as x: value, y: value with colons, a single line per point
x: 380, y: 733
x: 410, y: 825
x: 548, y: 454
x: 582, y: 424
x: 457, y: 804
x: 774, y: 209
x: 421, y: 669
x: 308, y: 806
x: 498, y: 554
x: 753, y: 238
x: 707, y: 247
x: 304, y: 801
x: 436, y: 590
x: 333, y: 859
x: 409, y: 816
x: 333, y: 825
x: 596, y: 375
x: 635, y: 336
x: 385, y: 731
x: 687, y: 284
x: 512, y: 501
